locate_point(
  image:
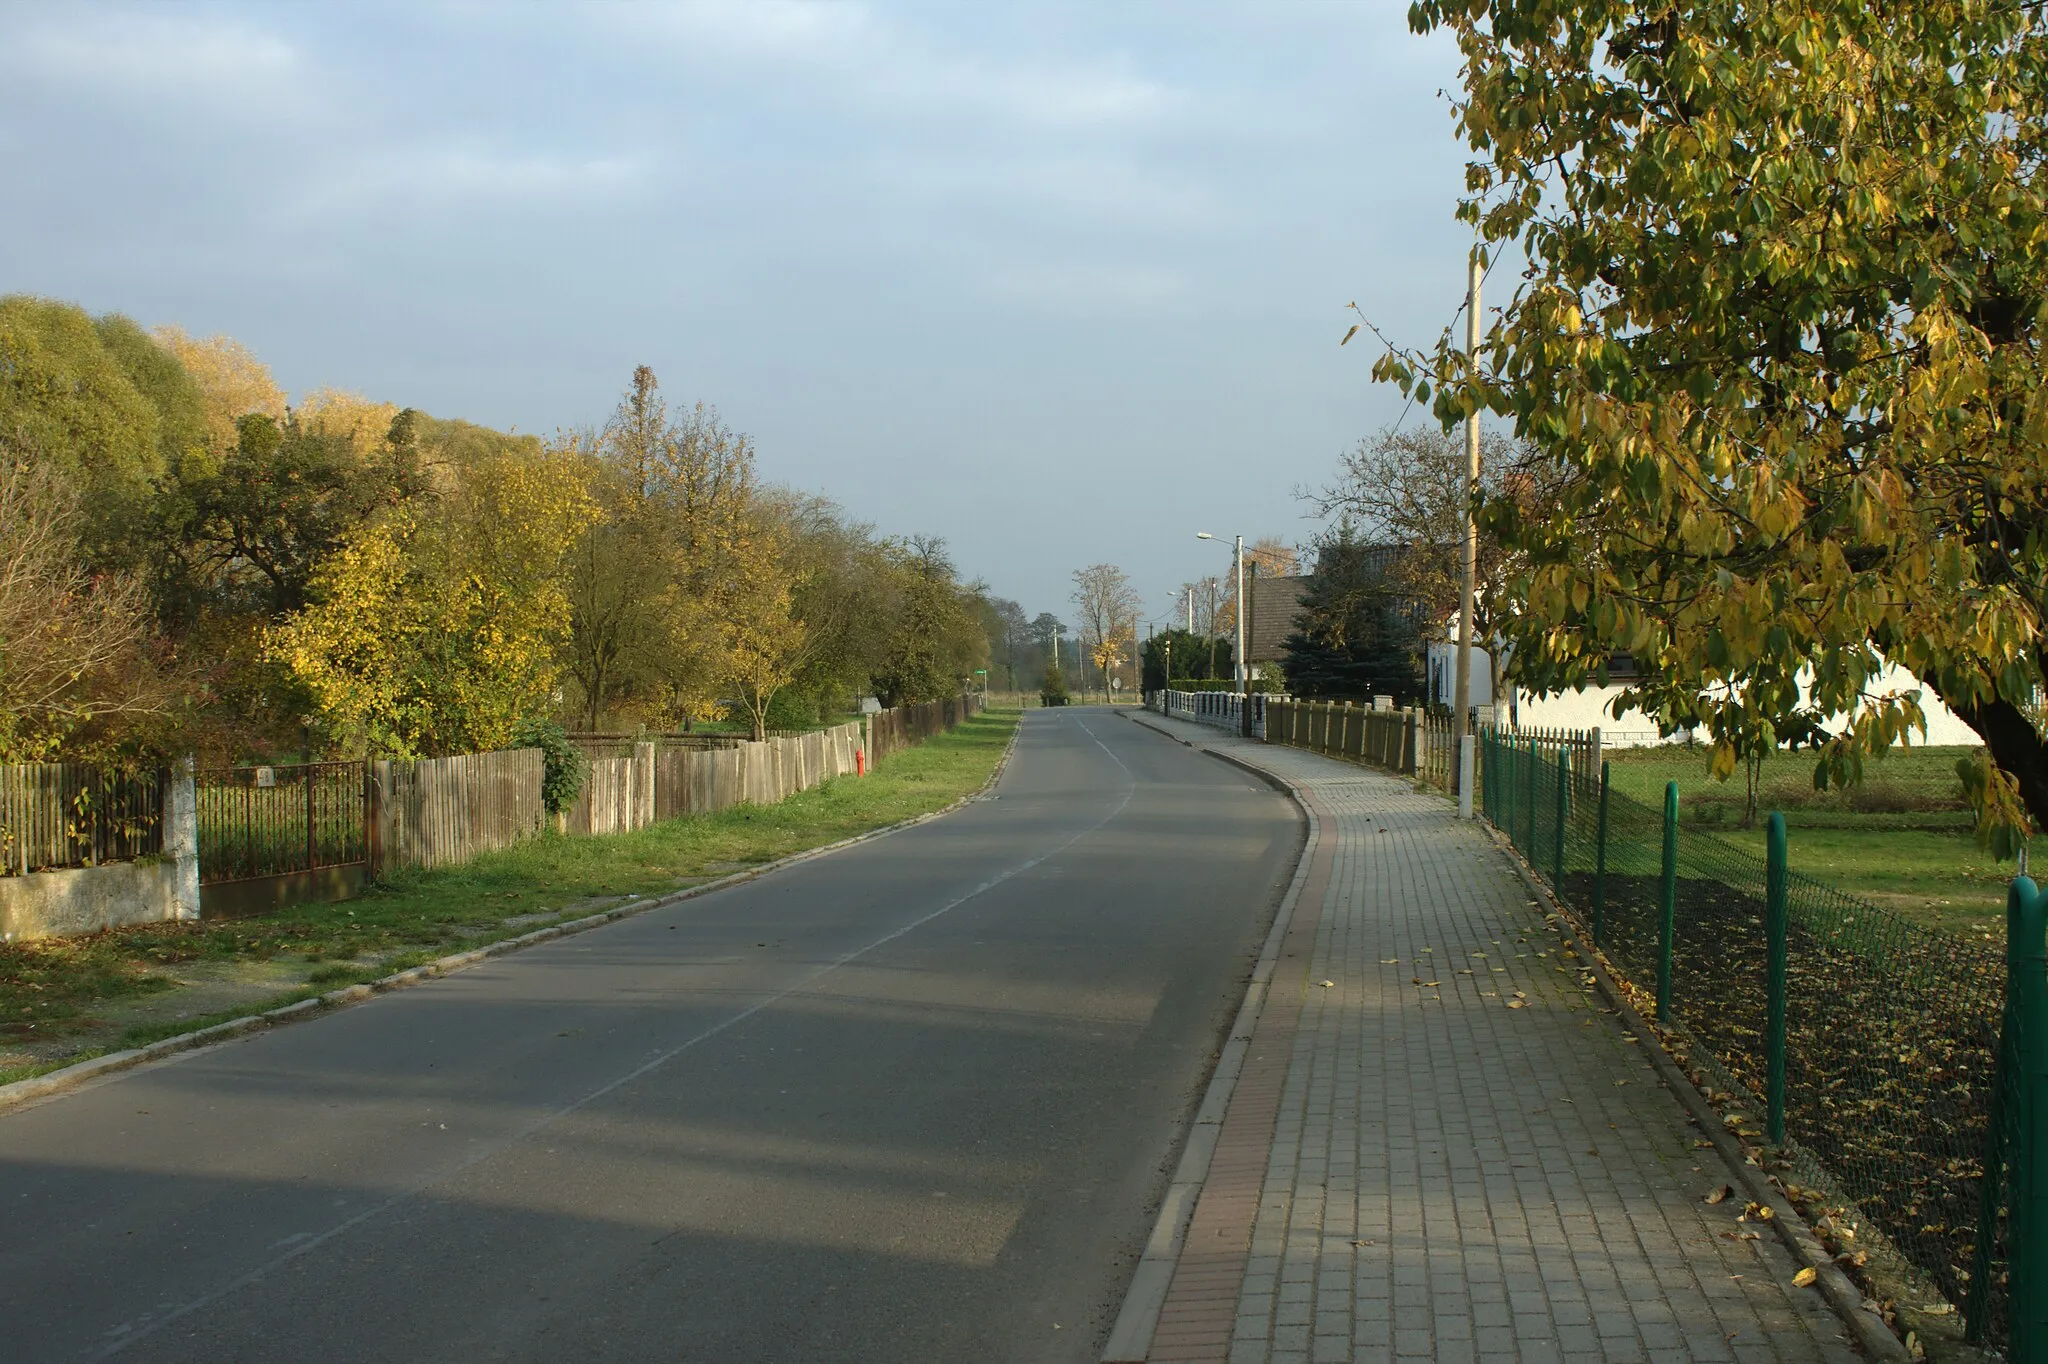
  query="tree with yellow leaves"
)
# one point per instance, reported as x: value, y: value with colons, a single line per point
x: 761, y: 642
x: 438, y: 633
x: 233, y: 382
x: 357, y: 420
x: 1112, y: 651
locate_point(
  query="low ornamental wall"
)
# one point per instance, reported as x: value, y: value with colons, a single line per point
x: 75, y: 900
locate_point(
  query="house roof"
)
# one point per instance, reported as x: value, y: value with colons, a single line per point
x: 1274, y: 603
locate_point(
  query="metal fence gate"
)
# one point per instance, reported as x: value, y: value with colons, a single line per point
x: 271, y: 836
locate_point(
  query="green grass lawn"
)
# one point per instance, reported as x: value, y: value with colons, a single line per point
x: 64, y: 999
x: 1903, y: 839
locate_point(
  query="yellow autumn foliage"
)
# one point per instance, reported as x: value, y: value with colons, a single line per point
x: 231, y: 380
x: 436, y: 630
x: 338, y: 412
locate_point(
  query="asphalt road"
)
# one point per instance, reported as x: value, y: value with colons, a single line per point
x: 915, y: 1100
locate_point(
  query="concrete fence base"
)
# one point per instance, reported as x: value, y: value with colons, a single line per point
x: 74, y: 900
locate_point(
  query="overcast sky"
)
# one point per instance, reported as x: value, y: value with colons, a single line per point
x: 1060, y: 283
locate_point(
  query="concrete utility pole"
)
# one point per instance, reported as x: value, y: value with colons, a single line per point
x: 1244, y: 670
x: 1461, y: 708
x: 1212, y: 625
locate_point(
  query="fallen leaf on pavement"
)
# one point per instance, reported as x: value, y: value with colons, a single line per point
x: 1719, y: 1195
x: 1805, y: 1277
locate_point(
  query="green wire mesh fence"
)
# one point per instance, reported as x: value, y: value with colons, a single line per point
x: 1891, y: 1032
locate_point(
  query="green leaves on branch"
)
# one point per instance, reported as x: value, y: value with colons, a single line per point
x: 1782, y: 326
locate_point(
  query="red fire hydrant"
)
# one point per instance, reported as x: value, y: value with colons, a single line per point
x: 860, y: 762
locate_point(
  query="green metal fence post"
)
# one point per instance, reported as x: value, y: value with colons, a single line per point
x: 1529, y: 814
x: 1489, y: 778
x: 1506, y: 824
x: 1486, y: 784
x: 1777, y: 929
x: 1667, y: 916
x: 2027, y: 1223
x: 1557, y: 837
x: 1600, y: 863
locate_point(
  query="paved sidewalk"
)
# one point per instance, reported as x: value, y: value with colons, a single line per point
x: 1440, y: 1145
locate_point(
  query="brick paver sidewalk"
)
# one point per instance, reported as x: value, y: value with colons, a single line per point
x: 1442, y: 1147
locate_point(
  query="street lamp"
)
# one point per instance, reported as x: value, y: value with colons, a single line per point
x: 1239, y: 669
x: 1242, y: 662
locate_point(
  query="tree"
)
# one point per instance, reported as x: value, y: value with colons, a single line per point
x: 245, y: 533
x: 67, y: 402
x: 1112, y: 652
x: 672, y: 492
x: 356, y: 419
x: 934, y: 642
x: 843, y: 590
x: 438, y: 630
x: 1008, y: 630
x: 232, y: 382
x: 160, y: 378
x: 1407, y: 489
x: 1358, y: 634
x: 761, y: 638
x: 1781, y: 324
x: 1046, y: 629
x: 1109, y: 611
x: 1188, y: 653
x: 77, y: 650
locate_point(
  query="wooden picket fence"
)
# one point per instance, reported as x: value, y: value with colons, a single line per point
x: 892, y: 731
x: 435, y: 812
x: 657, y: 781
x: 1346, y: 729
x: 1411, y: 742
x: 617, y: 794
x: 57, y: 815
x: 280, y: 823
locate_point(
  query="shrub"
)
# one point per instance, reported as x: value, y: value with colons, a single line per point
x: 564, y: 765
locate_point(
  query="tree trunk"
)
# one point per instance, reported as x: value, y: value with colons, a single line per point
x: 2015, y: 745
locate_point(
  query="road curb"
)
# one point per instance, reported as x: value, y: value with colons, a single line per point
x: 71, y: 1077
x: 1130, y: 1338
x: 1868, y: 1328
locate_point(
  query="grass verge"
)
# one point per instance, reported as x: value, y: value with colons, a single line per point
x: 66, y: 999
x: 1903, y: 839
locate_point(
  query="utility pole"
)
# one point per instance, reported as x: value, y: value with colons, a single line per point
x: 1244, y: 672
x: 1462, y: 743
x: 1212, y: 626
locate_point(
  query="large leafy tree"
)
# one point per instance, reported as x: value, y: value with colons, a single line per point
x: 1108, y: 607
x: 81, y: 668
x: 1358, y: 633
x: 68, y: 402
x: 934, y: 641
x: 674, y: 493
x: 1781, y: 322
x: 437, y: 627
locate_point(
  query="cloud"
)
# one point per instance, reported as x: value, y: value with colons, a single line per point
x: 1070, y: 286
x: 780, y: 28
x: 437, y: 177
x: 152, y: 54
x: 871, y: 61
x: 1104, y: 189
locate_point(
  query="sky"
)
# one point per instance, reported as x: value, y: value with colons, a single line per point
x: 1060, y: 283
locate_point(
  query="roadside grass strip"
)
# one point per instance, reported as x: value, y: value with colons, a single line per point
x: 1904, y: 838
x: 64, y: 1000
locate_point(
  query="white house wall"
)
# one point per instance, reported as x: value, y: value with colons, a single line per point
x: 1587, y: 707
